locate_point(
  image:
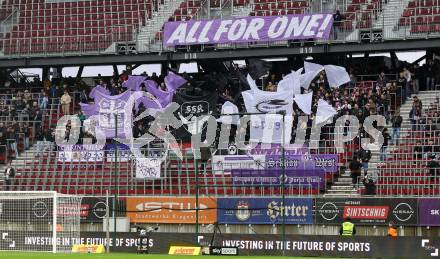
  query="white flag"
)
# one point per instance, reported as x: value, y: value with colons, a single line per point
x: 336, y: 75
x: 307, y: 78
x: 268, y: 127
x: 311, y: 67
x: 252, y: 83
x: 291, y: 82
x: 304, y: 102
x: 325, y: 111
x: 229, y: 108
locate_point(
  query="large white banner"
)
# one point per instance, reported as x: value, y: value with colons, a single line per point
x: 268, y: 127
x: 148, y: 168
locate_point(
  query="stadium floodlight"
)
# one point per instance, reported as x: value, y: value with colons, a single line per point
x: 39, y: 221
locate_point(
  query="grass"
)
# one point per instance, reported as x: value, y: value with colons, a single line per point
x: 10, y: 255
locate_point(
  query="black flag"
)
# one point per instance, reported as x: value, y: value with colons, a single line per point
x: 258, y: 68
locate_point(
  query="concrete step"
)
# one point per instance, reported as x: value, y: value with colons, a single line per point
x: 342, y: 187
x: 341, y: 195
x: 345, y: 182
x: 342, y: 192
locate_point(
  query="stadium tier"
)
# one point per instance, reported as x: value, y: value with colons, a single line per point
x: 38, y: 27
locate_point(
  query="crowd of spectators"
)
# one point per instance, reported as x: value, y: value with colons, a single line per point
x: 21, y: 110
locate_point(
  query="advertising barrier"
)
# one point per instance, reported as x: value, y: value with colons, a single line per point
x: 265, y: 211
x: 179, y: 210
x: 429, y: 212
x: 366, y: 211
x: 263, y: 245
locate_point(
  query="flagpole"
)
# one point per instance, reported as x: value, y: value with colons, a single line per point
x: 115, y: 182
x: 283, y: 181
x: 197, y: 184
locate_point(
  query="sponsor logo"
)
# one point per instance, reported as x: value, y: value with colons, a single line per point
x: 85, y: 210
x: 229, y: 251
x: 403, y: 212
x: 271, y: 106
x: 224, y: 251
x: 435, y: 212
x: 100, y: 209
x: 187, y: 207
x: 40, y: 209
x: 275, y: 209
x: 184, y: 250
x: 366, y: 212
x: 243, y: 213
x: 68, y: 210
x: 329, y: 211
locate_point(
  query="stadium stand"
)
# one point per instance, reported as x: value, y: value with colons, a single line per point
x: 61, y: 26
x: 45, y: 171
x: 422, y: 16
x: 51, y: 27
x: 40, y: 27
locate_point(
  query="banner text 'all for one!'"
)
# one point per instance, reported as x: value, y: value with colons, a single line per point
x: 248, y: 29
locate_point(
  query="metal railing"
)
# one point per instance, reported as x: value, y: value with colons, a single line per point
x: 44, y: 171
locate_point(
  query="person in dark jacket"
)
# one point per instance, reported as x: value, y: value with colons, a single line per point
x: 433, y: 166
x: 365, y: 156
x: 370, y: 185
x: 355, y: 170
x: 383, y: 149
x: 396, y: 122
x: 337, y: 22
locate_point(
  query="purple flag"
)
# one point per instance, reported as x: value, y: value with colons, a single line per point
x: 174, y: 81
x: 109, y: 107
x: 248, y: 29
x: 148, y: 103
x: 134, y: 83
x: 88, y: 109
x: 98, y: 88
x: 164, y: 97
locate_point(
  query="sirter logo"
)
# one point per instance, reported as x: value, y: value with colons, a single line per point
x: 275, y: 210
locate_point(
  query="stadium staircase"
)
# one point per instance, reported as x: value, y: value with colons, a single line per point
x: 388, y: 19
x: 400, y: 160
x: 147, y: 34
x: 343, y: 185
